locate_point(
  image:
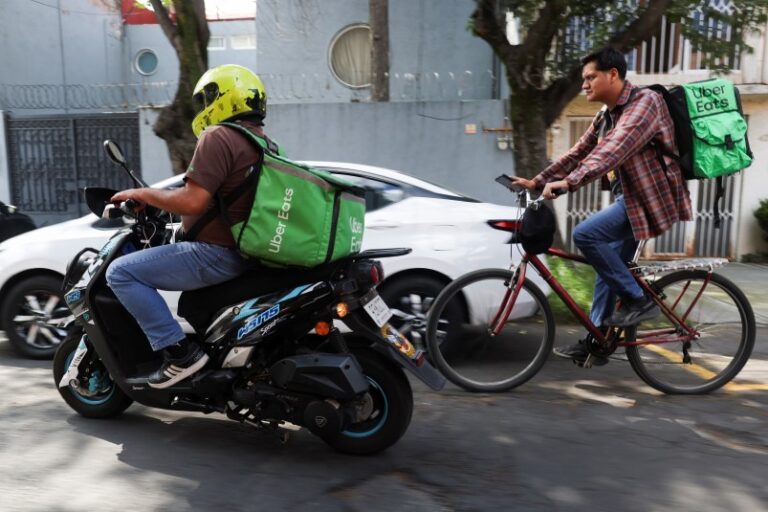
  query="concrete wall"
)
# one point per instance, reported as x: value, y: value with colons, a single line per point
x: 428, y: 40
x: 5, y: 174
x: 424, y: 139
x: 85, y: 43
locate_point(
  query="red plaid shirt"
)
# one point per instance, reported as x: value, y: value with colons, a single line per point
x: 655, y: 199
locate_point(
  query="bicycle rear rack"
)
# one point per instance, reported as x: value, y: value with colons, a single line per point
x: 656, y: 267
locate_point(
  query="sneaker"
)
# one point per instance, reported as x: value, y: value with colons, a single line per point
x: 578, y: 353
x: 634, y: 311
x: 175, y: 370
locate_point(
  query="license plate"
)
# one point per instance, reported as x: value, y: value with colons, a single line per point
x: 376, y: 308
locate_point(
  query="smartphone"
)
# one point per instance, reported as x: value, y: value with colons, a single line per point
x: 505, y: 180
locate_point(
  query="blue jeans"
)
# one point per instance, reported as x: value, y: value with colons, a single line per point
x: 607, y: 242
x: 136, y: 277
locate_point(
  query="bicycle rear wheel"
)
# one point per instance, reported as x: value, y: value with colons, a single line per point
x: 478, y: 360
x: 724, y: 323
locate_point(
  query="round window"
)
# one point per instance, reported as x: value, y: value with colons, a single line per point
x: 146, y: 62
x: 350, y: 56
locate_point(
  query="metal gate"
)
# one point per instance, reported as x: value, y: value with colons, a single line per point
x: 685, y: 239
x: 51, y: 159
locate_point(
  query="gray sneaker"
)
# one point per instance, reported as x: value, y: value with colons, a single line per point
x: 632, y: 312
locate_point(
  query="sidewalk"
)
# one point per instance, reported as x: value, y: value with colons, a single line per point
x: 752, y: 278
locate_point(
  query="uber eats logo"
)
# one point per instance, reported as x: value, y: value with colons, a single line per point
x: 709, y: 99
x: 356, y: 231
x: 282, y: 214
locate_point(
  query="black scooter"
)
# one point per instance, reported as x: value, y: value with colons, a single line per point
x: 276, y: 354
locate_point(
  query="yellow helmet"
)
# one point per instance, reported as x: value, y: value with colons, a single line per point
x: 227, y: 92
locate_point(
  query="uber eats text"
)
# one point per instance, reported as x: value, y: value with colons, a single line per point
x: 283, y: 213
x: 708, y: 99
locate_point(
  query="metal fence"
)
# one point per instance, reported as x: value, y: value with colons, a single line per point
x: 52, y: 158
x: 282, y: 88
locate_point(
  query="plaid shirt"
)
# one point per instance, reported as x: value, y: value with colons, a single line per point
x: 655, y: 199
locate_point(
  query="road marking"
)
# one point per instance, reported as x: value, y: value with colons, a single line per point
x: 576, y: 390
x: 705, y: 373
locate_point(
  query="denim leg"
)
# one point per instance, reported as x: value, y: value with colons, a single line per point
x: 604, y: 299
x: 607, y: 242
x: 136, y: 277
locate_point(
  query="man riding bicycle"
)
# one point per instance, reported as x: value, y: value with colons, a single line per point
x: 622, y: 145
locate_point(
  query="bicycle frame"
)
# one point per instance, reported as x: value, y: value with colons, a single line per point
x: 685, y: 333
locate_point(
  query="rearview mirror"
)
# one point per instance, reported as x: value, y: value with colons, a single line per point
x: 113, y: 151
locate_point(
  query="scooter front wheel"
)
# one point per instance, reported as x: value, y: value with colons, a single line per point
x: 96, y: 395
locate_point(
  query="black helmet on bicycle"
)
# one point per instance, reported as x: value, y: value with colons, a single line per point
x: 537, y: 231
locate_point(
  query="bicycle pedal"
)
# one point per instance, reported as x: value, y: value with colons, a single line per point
x: 582, y: 363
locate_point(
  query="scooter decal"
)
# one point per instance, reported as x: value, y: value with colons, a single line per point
x: 73, y: 370
x: 248, y: 308
x: 256, y: 321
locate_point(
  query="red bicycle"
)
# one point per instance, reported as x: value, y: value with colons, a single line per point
x: 701, y: 341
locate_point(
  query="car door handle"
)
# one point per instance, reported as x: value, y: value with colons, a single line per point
x: 381, y: 226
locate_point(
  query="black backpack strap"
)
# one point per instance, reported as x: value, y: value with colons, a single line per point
x: 222, y: 204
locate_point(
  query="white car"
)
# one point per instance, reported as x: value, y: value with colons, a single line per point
x: 448, y: 232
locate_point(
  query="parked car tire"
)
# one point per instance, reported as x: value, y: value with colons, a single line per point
x: 31, y: 315
x: 413, y: 295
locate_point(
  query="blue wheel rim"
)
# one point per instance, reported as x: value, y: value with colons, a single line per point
x: 383, y: 407
x: 88, y: 400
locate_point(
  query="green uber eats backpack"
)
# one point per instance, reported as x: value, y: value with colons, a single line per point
x: 710, y: 132
x: 300, y: 216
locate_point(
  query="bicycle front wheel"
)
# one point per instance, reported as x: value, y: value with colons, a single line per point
x: 671, y: 360
x: 468, y: 352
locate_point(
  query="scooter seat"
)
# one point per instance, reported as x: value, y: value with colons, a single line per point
x: 199, y: 306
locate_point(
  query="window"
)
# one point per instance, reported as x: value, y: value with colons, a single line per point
x: 350, y: 56
x: 217, y: 43
x: 243, y: 42
x: 146, y: 62
x: 378, y: 194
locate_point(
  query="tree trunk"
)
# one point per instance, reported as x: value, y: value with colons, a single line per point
x: 379, y: 19
x: 189, y: 37
x: 529, y: 135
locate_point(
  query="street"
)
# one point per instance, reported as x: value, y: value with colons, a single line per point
x: 571, y: 439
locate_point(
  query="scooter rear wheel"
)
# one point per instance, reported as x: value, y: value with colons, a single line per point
x: 102, y: 398
x: 388, y: 404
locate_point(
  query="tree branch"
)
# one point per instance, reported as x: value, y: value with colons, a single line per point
x: 161, y: 13
x: 642, y: 27
x: 565, y: 88
x: 486, y: 26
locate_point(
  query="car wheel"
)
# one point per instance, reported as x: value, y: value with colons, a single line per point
x: 410, y: 299
x: 32, y: 316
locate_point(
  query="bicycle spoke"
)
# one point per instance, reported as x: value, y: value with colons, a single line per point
x: 711, y: 349
x: 469, y: 353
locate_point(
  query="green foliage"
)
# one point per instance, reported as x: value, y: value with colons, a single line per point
x: 578, y: 280
x: 761, y: 214
x: 589, y: 24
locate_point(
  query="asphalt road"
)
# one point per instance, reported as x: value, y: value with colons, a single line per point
x: 569, y: 440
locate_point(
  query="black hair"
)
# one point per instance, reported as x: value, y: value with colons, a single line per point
x: 606, y: 59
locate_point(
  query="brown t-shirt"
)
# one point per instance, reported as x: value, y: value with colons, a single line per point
x: 222, y: 159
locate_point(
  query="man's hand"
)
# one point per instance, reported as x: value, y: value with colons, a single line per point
x: 522, y: 182
x: 550, y: 188
x: 136, y: 194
